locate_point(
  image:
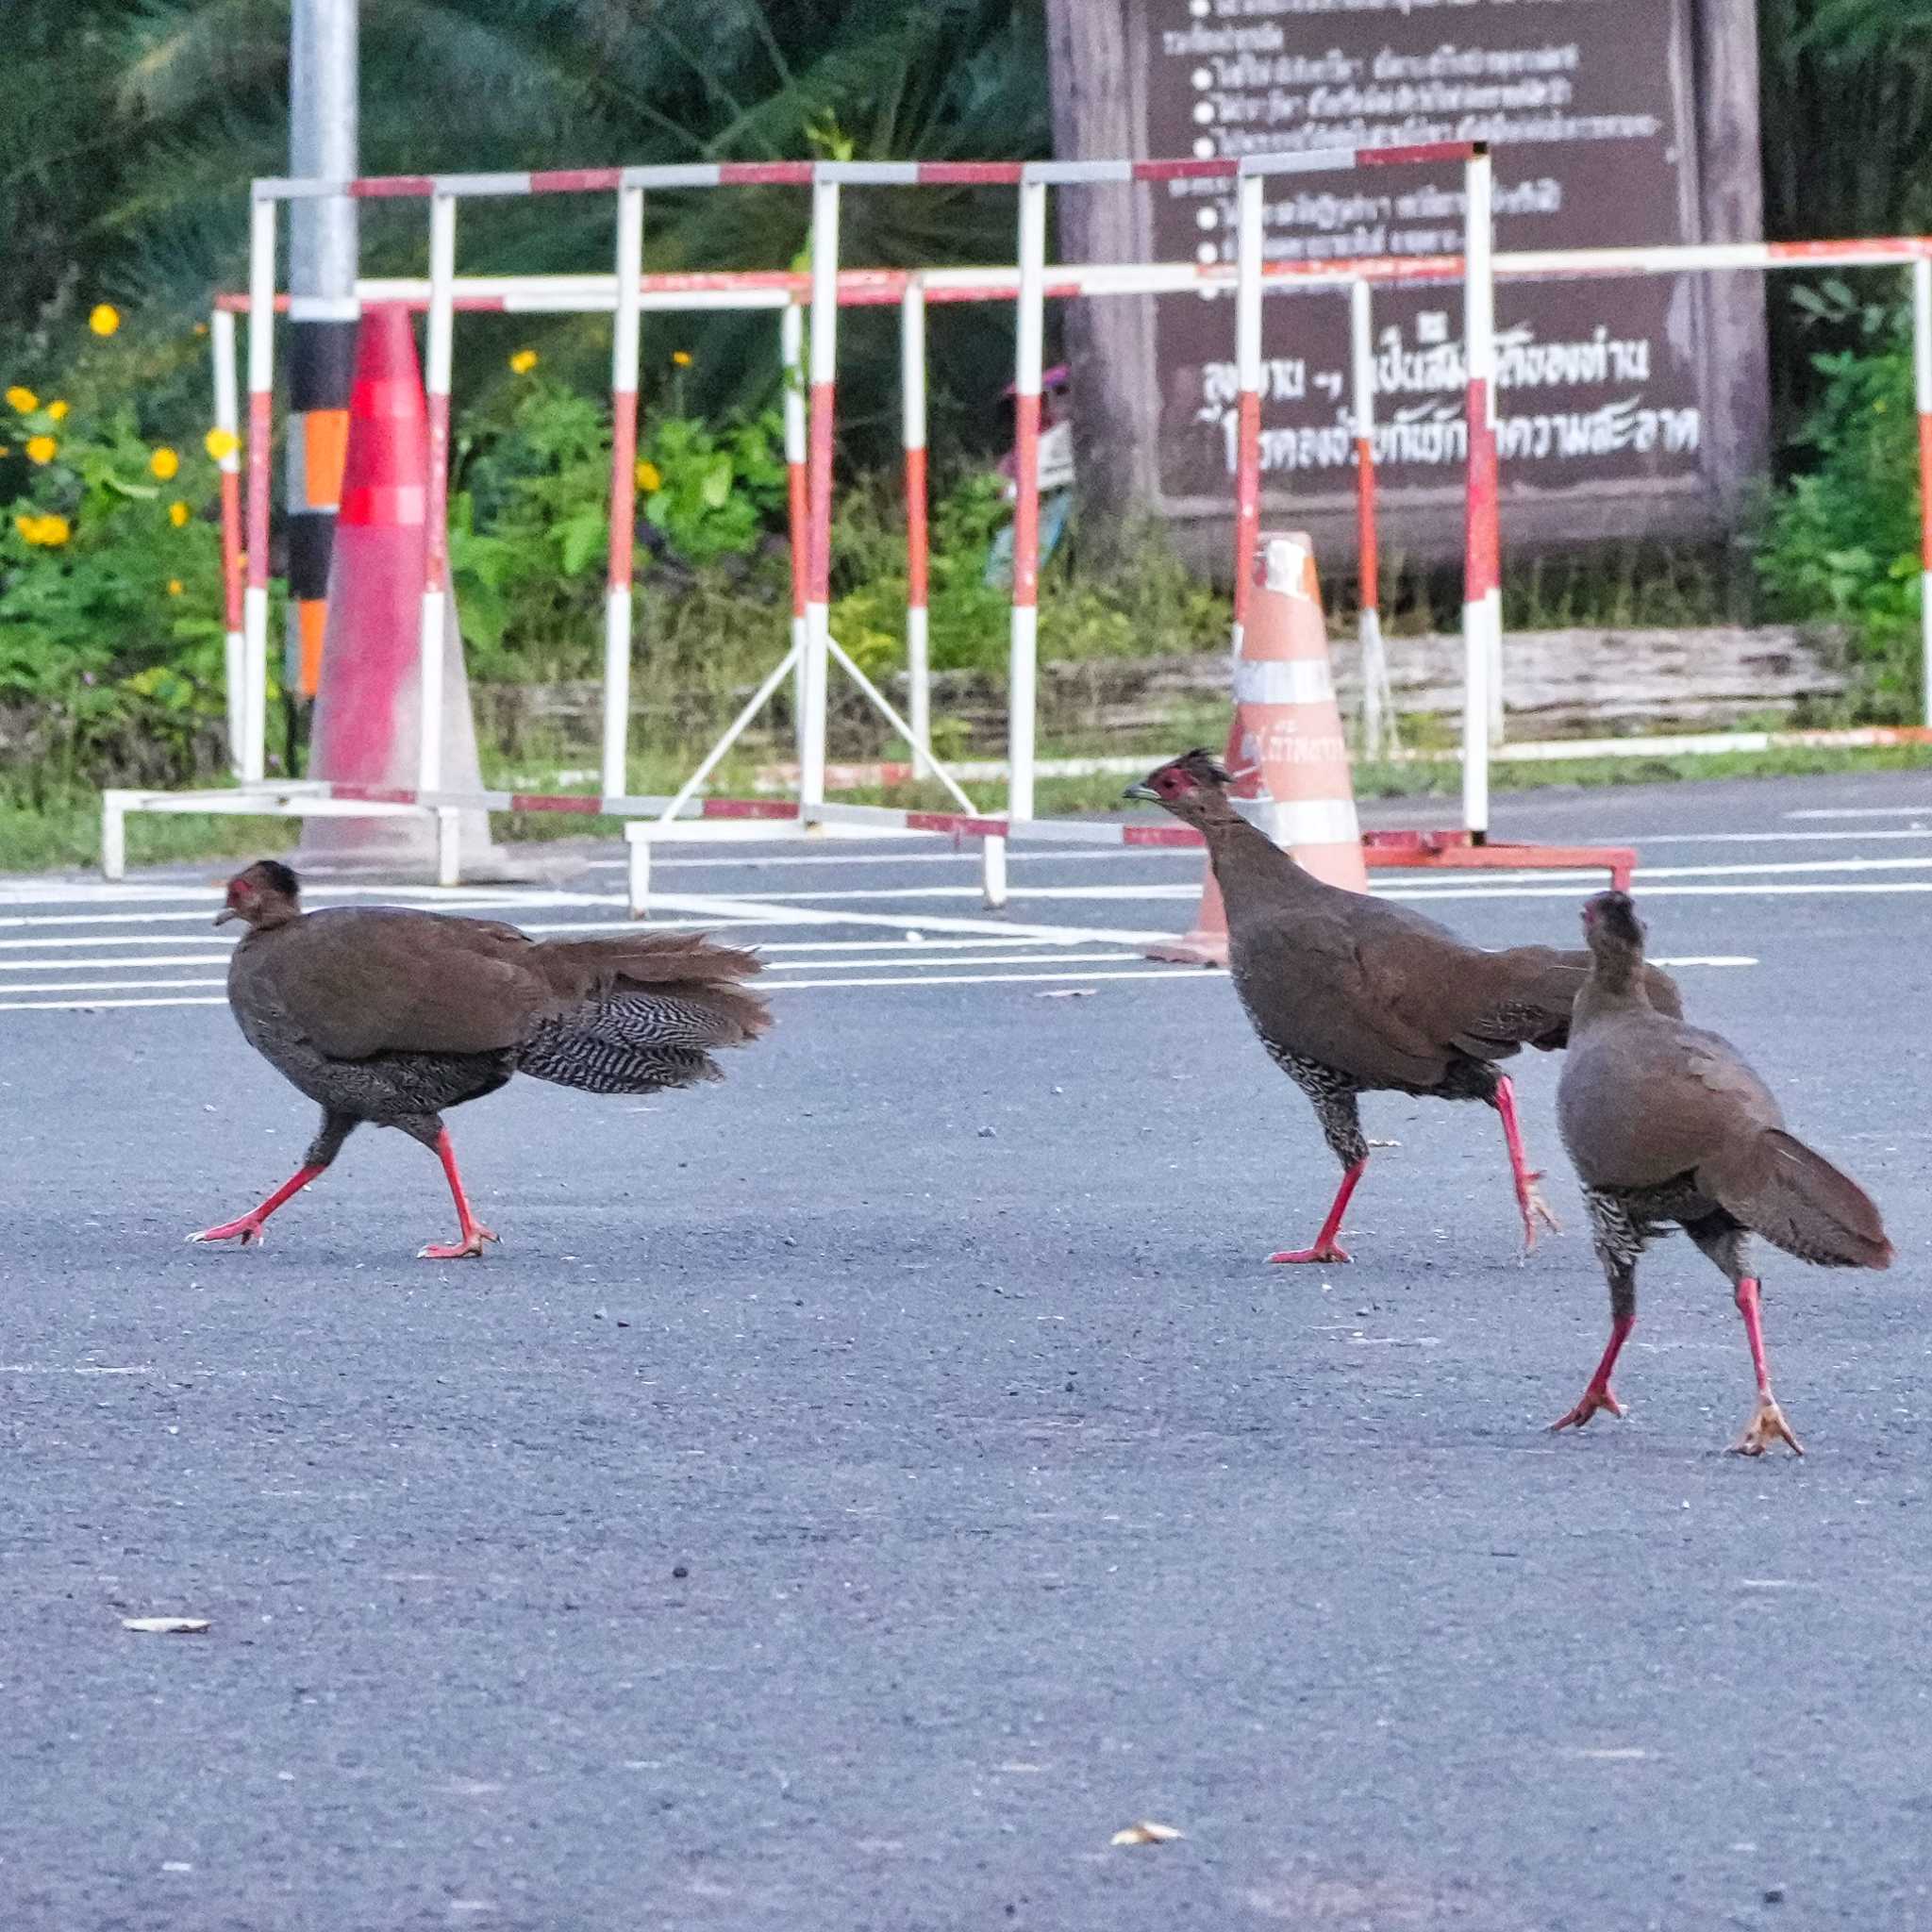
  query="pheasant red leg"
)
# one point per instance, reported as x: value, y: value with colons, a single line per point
x: 1768, y: 1426
x: 1528, y: 1200
x: 1324, y: 1248
x: 1600, y: 1394
x: 474, y: 1233
x: 249, y: 1228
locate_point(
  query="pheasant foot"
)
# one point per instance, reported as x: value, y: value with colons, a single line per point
x: 246, y: 1230
x: 1768, y: 1426
x: 468, y: 1249
x: 1598, y: 1395
x: 1324, y: 1250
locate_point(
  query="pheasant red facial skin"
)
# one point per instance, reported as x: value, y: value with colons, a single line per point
x: 1666, y: 1123
x: 390, y: 1016
x: 1351, y: 995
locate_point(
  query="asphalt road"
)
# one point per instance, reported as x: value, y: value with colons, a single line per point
x: 853, y: 1493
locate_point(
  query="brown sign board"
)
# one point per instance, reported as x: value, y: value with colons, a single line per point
x: 1624, y: 404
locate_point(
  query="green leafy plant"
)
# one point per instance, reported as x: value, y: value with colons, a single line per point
x: 110, y: 593
x: 1842, y: 538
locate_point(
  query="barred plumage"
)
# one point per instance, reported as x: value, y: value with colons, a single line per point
x: 390, y: 1016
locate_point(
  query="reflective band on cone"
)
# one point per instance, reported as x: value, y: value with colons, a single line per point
x: 1286, y: 749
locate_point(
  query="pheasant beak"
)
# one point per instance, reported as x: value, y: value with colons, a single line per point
x: 226, y: 913
x: 1146, y: 791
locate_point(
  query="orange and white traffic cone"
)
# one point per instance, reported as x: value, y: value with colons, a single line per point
x: 1286, y: 746
x: 364, y: 730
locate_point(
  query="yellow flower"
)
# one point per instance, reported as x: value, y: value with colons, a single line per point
x: 41, y: 449
x: 201, y: 328
x: 105, y: 320
x: 49, y: 531
x: 649, y: 478
x: 5, y: 450
x: 221, y: 442
x: 179, y: 514
x: 57, y: 409
x: 682, y: 357
x: 173, y: 587
x: 164, y: 463
x: 22, y: 400
x: 522, y: 361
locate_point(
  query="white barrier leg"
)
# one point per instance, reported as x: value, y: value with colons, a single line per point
x: 992, y: 872
x: 638, y: 850
x: 115, y: 834
x: 449, y: 846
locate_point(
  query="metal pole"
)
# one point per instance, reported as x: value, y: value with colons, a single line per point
x: 1921, y: 375
x: 229, y: 420
x: 1482, y: 607
x: 1247, y: 355
x: 824, y: 368
x: 623, y: 491
x: 912, y: 410
x: 1022, y: 657
x: 442, y: 329
x: 261, y: 379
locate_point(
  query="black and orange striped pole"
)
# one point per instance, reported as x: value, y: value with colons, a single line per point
x: 323, y: 315
x: 322, y: 360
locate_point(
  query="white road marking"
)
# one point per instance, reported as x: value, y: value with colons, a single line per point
x: 766, y: 910
x: 112, y: 985
x: 999, y: 978
x: 1864, y: 811
x: 122, y: 965
x: 89, y: 1006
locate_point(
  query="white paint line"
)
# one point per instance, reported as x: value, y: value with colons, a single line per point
x: 1642, y: 840
x: 1865, y: 811
x: 1017, y: 856
x: 1707, y: 959
x: 89, y: 1006
x: 1913, y: 862
x: 899, y: 894
x: 151, y: 939
x: 1767, y: 888
x: 769, y: 912
x: 126, y: 963
x: 111, y: 985
x: 1000, y: 978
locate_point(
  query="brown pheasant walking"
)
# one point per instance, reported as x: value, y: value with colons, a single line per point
x: 1666, y: 1123
x: 390, y: 1016
x: 1352, y: 994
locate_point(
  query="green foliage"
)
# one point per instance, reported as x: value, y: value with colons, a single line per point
x: 111, y: 594
x: 1842, y: 539
x: 531, y: 520
x: 1155, y: 607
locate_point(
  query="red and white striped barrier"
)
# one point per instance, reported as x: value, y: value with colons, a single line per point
x: 1482, y: 577
x: 1030, y: 282
x: 623, y: 489
x: 229, y: 423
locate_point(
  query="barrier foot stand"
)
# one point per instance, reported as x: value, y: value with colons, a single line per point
x: 992, y: 871
x: 449, y: 846
x: 639, y: 871
x: 113, y: 835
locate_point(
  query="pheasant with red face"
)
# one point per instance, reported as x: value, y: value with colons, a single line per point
x: 392, y: 1016
x: 1351, y: 995
x: 1666, y: 1123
